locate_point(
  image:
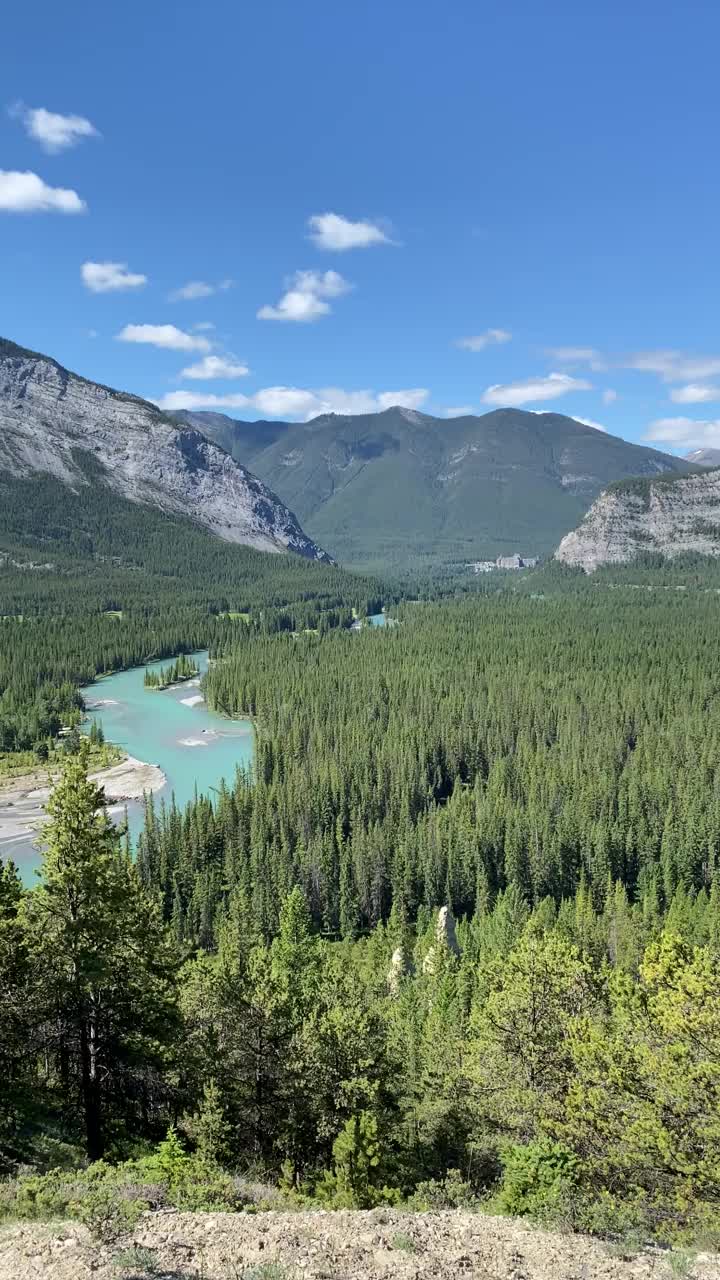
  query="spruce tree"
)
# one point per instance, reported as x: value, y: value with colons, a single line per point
x: 101, y: 960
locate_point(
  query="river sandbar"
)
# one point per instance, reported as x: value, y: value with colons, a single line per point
x: 23, y: 799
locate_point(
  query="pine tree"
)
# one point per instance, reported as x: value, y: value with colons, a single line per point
x: 100, y: 954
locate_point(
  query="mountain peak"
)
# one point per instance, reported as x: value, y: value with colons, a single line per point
x: 400, y: 487
x: 53, y: 421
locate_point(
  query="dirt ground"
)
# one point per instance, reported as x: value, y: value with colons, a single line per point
x: 375, y: 1245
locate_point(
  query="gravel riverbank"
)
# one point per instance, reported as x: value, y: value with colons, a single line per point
x: 22, y: 799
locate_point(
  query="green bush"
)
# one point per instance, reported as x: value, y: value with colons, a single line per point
x: 355, y: 1179
x: 538, y: 1180
x: 109, y: 1199
x: 450, y: 1192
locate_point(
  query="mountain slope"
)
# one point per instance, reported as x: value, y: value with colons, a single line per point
x: 404, y: 488
x: 704, y: 457
x: 55, y: 422
x: 670, y: 515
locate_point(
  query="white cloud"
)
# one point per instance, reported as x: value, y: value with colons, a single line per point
x: 298, y: 402
x: 589, y: 422
x: 27, y: 193
x: 541, y: 388
x: 198, y: 289
x: 479, y: 341
x: 108, y: 277
x: 684, y: 433
x: 163, y: 335
x: 410, y: 398
x: 609, y: 396
x: 204, y: 326
x: 215, y: 367
x: 579, y: 355
x: 279, y: 402
x: 459, y: 411
x: 304, y: 299
x: 674, y: 366
x: 287, y: 402
x: 175, y: 400
x: 695, y: 393
x: 54, y: 132
x: 331, y: 231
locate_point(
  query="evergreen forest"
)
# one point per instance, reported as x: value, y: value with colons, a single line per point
x: 452, y: 941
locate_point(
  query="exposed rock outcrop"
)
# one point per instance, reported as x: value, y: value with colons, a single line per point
x: 83, y: 433
x: 670, y: 516
x: 445, y: 940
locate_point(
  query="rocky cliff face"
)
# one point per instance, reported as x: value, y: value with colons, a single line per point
x: 54, y: 421
x: 670, y: 516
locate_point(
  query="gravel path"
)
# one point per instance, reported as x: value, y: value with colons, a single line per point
x: 330, y: 1246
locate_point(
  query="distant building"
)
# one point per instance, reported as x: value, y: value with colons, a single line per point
x: 505, y: 562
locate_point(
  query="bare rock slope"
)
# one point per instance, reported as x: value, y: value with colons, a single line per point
x: 375, y: 1245
x: 671, y: 516
x: 54, y: 421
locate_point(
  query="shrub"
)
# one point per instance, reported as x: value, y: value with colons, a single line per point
x: 538, y: 1179
x: 450, y: 1192
x: 109, y: 1199
x: 354, y: 1181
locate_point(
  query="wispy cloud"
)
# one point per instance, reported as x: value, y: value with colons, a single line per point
x: 459, y: 411
x: 173, y: 401
x: 479, y: 341
x: 541, y: 388
x: 166, y: 336
x: 590, y: 422
x: 110, y: 277
x: 684, y: 433
x: 674, y: 366
x: 609, y: 396
x: 27, y: 193
x: 198, y: 289
x: 53, y: 131
x: 306, y: 297
x: 332, y: 231
x: 215, y: 367
x: 695, y: 393
x: 589, y: 356
x: 298, y: 402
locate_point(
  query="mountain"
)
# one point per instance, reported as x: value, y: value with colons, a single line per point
x: 57, y: 423
x: 670, y: 515
x: 402, y: 488
x: 704, y: 457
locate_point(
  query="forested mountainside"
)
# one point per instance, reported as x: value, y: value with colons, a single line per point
x: 670, y: 516
x: 54, y: 422
x: 402, y: 489
x: 92, y: 582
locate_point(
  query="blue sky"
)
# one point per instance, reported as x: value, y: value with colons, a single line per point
x: 537, y: 177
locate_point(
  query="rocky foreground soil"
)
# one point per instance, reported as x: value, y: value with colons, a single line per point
x: 332, y: 1246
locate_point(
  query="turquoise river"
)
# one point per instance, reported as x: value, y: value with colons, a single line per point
x: 172, y: 728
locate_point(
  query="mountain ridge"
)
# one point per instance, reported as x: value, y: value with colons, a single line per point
x: 58, y: 422
x: 401, y: 487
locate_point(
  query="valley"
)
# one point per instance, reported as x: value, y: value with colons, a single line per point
x: 402, y: 491
x: 359, y: 642
x: 372, y: 823
x: 185, y: 748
